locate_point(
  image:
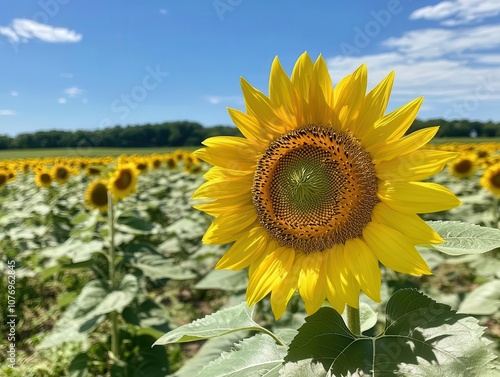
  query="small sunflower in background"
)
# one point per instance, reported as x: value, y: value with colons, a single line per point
x: 491, y: 179
x: 123, y: 181
x: 43, y: 178
x: 4, y: 177
x: 61, y: 173
x: 171, y: 162
x: 322, y: 187
x: 155, y: 162
x: 464, y: 166
x: 96, y: 195
x: 141, y: 164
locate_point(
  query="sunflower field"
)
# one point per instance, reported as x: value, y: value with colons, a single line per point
x: 96, y: 285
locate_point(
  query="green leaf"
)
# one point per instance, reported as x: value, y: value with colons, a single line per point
x: 78, y: 366
x: 226, y: 280
x: 463, y: 238
x: 367, y: 317
x: 421, y: 338
x: 118, y: 299
x: 253, y: 356
x: 156, y: 266
x: 134, y: 225
x: 147, y: 314
x: 225, y: 321
x: 484, y: 300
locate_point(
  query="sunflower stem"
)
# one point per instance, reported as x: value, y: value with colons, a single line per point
x: 353, y: 321
x: 113, y: 315
x: 496, y: 212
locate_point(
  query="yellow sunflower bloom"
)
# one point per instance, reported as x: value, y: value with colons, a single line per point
x: 464, y: 166
x: 491, y: 179
x: 43, y: 178
x: 321, y: 188
x: 124, y: 181
x: 61, y: 173
x: 96, y: 195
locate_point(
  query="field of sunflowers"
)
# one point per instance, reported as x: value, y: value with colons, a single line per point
x: 100, y: 257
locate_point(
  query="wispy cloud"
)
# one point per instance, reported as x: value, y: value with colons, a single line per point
x: 215, y: 100
x: 14, y: 93
x: 457, y: 12
x: 447, y: 66
x: 66, y: 75
x: 163, y: 11
x: 62, y: 100
x: 7, y: 112
x: 73, y: 91
x: 22, y: 30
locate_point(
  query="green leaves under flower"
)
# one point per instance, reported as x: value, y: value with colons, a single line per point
x: 421, y: 337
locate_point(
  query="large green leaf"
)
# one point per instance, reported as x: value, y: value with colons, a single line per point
x: 484, y: 300
x: 255, y: 356
x: 421, y: 338
x: 463, y: 238
x: 134, y: 225
x: 118, y: 299
x: 156, y: 266
x: 225, y: 321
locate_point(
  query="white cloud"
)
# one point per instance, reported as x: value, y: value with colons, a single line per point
x: 449, y: 68
x: 66, y: 75
x: 431, y: 43
x: 163, y: 11
x: 14, y: 93
x: 7, y: 112
x: 62, y: 100
x: 22, y: 30
x: 73, y: 91
x: 456, y: 12
x: 215, y: 100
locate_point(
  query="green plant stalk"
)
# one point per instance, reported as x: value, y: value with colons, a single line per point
x: 353, y: 321
x: 111, y: 266
x: 496, y: 212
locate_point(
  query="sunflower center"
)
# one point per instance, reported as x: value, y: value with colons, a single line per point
x: 314, y: 187
x: 45, y: 178
x: 62, y: 173
x: 463, y: 166
x: 99, y: 195
x: 495, y: 180
x: 3, y: 179
x: 124, y: 180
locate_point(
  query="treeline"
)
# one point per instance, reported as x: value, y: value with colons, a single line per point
x: 181, y: 134
x: 174, y: 134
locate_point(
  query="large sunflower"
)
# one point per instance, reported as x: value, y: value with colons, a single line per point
x: 322, y: 187
x: 96, y: 195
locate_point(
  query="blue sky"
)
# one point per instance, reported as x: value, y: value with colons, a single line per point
x: 69, y: 64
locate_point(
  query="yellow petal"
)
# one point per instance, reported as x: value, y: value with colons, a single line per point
x: 301, y: 75
x: 394, y: 250
x: 417, y: 197
x: 341, y: 280
x: 224, y: 188
x: 410, y: 224
x: 281, y: 91
x: 363, y: 265
x: 260, y: 107
x: 405, y: 145
x: 349, y: 96
x: 283, y: 292
x: 271, y: 271
x: 245, y: 250
x: 414, y: 166
x: 250, y: 128
x: 224, y: 157
x: 334, y: 293
x: 226, y: 225
x: 320, y: 112
x: 312, y: 281
x: 393, y: 125
x: 219, y: 206
x: 374, y: 105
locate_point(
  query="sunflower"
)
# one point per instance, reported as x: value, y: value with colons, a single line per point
x: 61, y: 173
x: 96, y: 195
x: 491, y: 179
x: 321, y: 188
x: 43, y: 178
x: 464, y: 166
x: 124, y: 181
